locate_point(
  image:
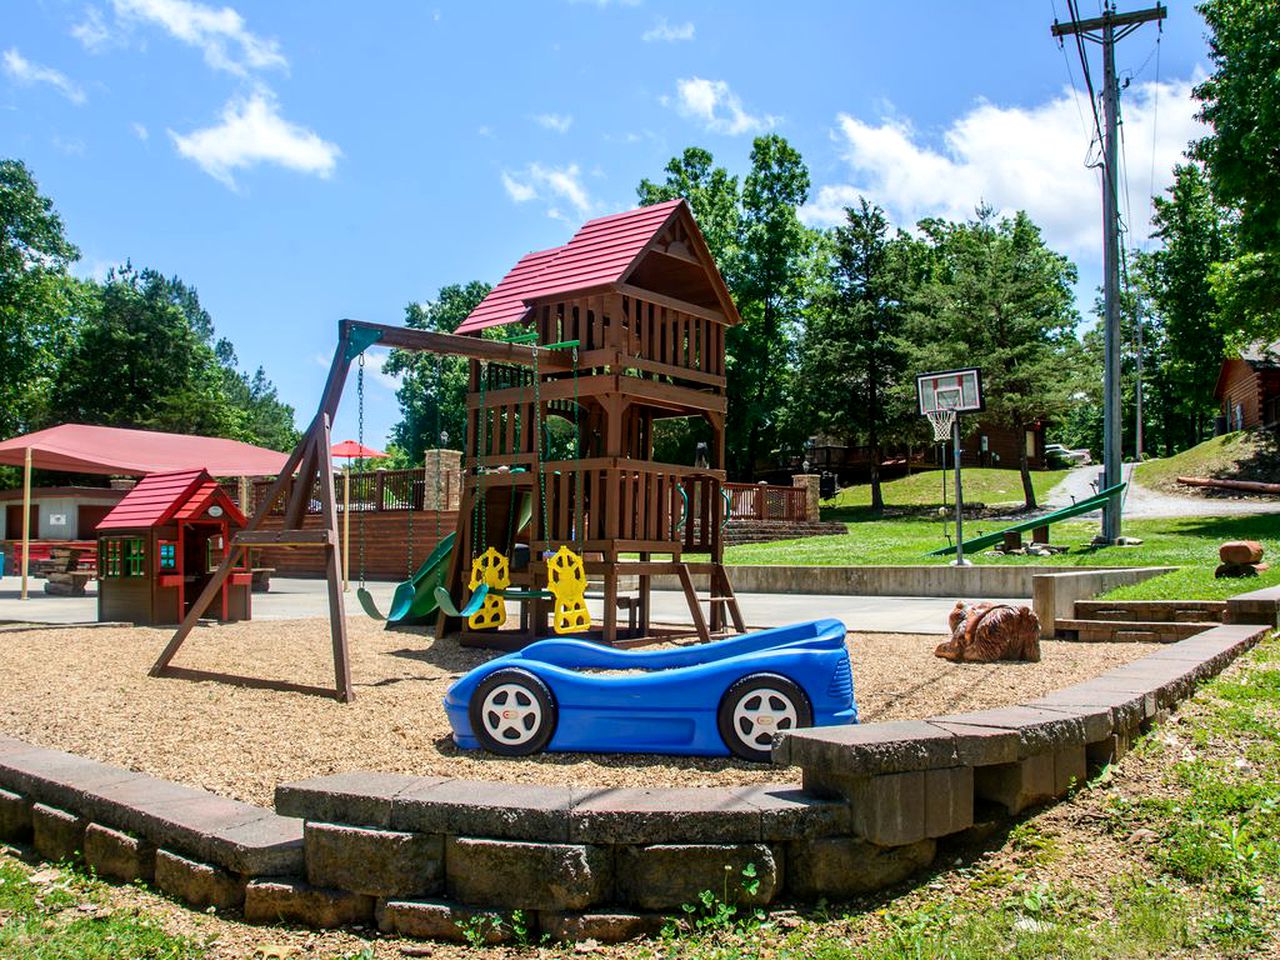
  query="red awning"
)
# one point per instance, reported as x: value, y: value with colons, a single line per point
x: 78, y: 448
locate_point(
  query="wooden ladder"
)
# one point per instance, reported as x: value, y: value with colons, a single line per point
x: 721, y: 601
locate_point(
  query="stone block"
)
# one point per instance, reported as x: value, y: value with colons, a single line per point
x: 1038, y: 730
x: 56, y: 834
x: 117, y: 855
x: 528, y: 876
x: 612, y: 927
x: 868, y: 748
x: 1107, y: 751
x: 358, y: 797
x: 288, y: 901
x: 1125, y: 707
x: 58, y: 779
x: 789, y: 812
x: 441, y: 920
x: 15, y: 818
x: 269, y: 846
x: 1017, y: 786
x: 467, y: 808
x: 639, y: 816
x: 1070, y: 769
x: 889, y: 809
x: 838, y: 868
x: 948, y: 801
x: 1097, y: 721
x: 980, y: 746
x: 200, y: 885
x: 666, y: 876
x: 380, y: 863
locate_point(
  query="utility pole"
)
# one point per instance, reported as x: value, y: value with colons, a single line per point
x: 1107, y: 30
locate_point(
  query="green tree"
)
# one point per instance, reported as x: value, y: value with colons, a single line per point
x: 433, y: 388
x: 713, y: 197
x: 997, y: 298
x: 1241, y: 102
x: 144, y: 357
x: 1175, y: 278
x: 38, y: 298
x: 852, y: 355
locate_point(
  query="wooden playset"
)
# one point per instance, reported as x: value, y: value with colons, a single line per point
x: 618, y: 329
x: 160, y: 546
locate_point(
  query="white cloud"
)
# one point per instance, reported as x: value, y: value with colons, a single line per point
x: 1014, y: 158
x: 92, y: 31
x: 559, y: 122
x: 375, y: 363
x: 140, y: 131
x: 27, y: 73
x: 537, y: 182
x: 252, y: 132
x: 717, y: 108
x: 219, y: 32
x: 667, y: 32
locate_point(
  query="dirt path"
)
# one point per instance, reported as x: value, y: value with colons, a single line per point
x: 1144, y: 503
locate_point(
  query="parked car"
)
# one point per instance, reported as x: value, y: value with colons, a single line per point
x: 1057, y: 455
x: 714, y: 699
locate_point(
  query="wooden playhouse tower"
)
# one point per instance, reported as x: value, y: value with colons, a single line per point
x: 640, y: 295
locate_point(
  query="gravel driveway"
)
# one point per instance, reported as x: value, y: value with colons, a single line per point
x: 1144, y: 503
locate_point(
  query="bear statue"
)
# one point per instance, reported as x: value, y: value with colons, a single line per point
x: 986, y: 632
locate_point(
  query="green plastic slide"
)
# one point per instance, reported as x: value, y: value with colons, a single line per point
x: 414, y: 601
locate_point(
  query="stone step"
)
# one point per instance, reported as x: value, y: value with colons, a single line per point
x: 1146, y: 631
x: 1164, y: 611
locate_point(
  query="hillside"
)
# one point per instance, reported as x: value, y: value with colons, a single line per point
x: 981, y: 485
x: 1244, y: 455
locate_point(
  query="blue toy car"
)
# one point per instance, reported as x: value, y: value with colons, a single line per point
x: 707, y: 700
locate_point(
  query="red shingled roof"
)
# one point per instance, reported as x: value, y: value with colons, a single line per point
x: 602, y: 251
x: 160, y: 497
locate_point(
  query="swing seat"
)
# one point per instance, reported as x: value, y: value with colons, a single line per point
x: 367, y: 602
x: 472, y: 607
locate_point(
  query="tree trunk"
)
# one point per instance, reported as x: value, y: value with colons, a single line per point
x: 877, y: 499
x: 1024, y: 466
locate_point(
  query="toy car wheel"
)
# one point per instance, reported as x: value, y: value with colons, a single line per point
x: 512, y: 713
x: 756, y: 708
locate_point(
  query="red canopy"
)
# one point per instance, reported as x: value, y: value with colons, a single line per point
x: 78, y: 448
x: 351, y: 449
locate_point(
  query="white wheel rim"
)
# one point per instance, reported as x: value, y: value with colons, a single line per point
x: 511, y: 714
x: 762, y: 713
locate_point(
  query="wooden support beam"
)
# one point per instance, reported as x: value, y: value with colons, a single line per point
x: 451, y: 344
x: 286, y: 538
x: 662, y: 300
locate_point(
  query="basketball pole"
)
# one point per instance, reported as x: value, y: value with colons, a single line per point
x: 959, y: 561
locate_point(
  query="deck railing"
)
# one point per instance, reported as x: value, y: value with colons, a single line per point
x: 759, y: 501
x: 371, y: 490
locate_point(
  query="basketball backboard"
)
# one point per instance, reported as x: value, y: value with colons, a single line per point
x: 958, y: 390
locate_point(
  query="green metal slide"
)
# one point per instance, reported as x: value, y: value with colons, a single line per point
x: 1066, y: 513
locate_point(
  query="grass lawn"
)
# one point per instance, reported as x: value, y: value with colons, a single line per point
x: 1244, y: 455
x: 981, y: 485
x: 1187, y: 542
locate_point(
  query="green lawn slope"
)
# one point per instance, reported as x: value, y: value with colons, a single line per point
x: 1244, y: 455
x: 981, y: 485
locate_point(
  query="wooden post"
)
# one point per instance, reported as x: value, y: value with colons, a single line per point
x: 26, y: 520
x: 337, y: 611
x: 346, y: 527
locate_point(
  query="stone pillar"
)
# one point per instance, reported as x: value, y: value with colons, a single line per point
x: 809, y: 482
x: 443, y: 480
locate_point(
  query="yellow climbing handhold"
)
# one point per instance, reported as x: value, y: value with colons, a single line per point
x: 567, y: 582
x: 492, y: 568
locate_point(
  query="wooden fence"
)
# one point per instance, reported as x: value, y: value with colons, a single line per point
x: 759, y: 501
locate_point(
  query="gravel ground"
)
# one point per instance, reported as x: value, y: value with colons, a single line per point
x: 87, y: 691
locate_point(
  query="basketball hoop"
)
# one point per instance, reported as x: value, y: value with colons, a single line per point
x: 942, y: 419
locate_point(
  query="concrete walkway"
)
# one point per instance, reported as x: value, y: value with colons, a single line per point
x: 301, y: 599
x: 1141, y: 503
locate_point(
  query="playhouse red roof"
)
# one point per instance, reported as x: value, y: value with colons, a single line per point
x: 602, y: 251
x: 161, y: 497
x: 80, y: 448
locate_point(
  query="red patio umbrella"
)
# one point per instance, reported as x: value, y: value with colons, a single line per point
x: 349, y: 450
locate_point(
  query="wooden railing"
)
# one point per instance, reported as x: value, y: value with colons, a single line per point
x: 372, y: 490
x: 759, y: 501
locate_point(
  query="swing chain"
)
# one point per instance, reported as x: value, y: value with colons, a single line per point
x: 539, y: 459
x: 579, y: 508
x: 360, y: 460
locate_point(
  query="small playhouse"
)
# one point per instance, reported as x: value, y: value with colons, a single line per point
x: 160, y: 545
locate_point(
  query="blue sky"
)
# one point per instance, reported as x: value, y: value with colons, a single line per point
x: 302, y: 162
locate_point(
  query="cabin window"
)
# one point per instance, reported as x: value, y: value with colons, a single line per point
x: 124, y: 557
x: 168, y: 555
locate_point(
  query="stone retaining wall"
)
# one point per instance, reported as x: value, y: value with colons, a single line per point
x: 425, y: 856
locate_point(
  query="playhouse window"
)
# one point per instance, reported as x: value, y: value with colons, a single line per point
x: 214, y: 551
x: 168, y: 558
x: 124, y: 557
